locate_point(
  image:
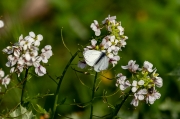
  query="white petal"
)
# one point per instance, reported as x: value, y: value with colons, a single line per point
x: 134, y: 83
x: 20, y: 37
x: 40, y: 71
x: 39, y: 37
x: 12, y: 70
x: 141, y: 82
x: 135, y: 102
x: 157, y: 95
x: 27, y: 56
x: 6, y: 81
x: 93, y: 42
x: 32, y: 34
x: 36, y: 43
x: 97, y: 32
x: 1, y: 73
x: 8, y: 64
x: 134, y: 89
x: 141, y: 97
x: 122, y: 87
x: 1, y: 24
x: 159, y: 82
x: 124, y: 67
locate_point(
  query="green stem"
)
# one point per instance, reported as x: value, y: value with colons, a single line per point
x: 93, y: 92
x: 59, y: 84
x: 118, y: 106
x: 24, y: 85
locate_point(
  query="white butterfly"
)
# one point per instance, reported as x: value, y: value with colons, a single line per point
x: 97, y: 59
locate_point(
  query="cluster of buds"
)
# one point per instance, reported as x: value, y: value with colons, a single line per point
x: 109, y: 43
x: 24, y: 54
x: 4, y: 80
x: 143, y: 82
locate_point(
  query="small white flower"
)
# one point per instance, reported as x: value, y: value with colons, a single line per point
x: 12, y: 70
x: 95, y: 28
x: 1, y: 24
x: 140, y: 94
x: 6, y: 81
x: 123, y: 43
x: 8, y: 50
x: 82, y: 64
x: 134, y: 88
x: 46, y: 53
x: 135, y: 102
x: 93, y: 44
x: 1, y: 73
x: 114, y: 60
x: 40, y: 71
x: 121, y: 30
x: 158, y: 82
x: 109, y: 18
x: 152, y: 97
x: 36, y: 61
x: 131, y: 66
x: 134, y: 83
x: 122, y: 82
x: 37, y: 41
x: 148, y: 66
x: 26, y: 44
x: 11, y: 61
x: 143, y: 91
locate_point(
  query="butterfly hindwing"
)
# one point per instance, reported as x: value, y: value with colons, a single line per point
x: 102, y: 64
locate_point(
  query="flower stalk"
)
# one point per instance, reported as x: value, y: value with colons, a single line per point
x: 59, y: 85
x: 93, y: 93
x: 24, y: 85
x: 118, y: 106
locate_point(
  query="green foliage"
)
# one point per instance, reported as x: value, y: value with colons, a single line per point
x: 153, y: 30
x: 40, y: 109
x: 22, y: 113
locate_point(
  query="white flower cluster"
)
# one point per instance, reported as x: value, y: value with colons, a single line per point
x: 24, y: 54
x: 109, y: 43
x: 143, y: 82
x: 4, y: 80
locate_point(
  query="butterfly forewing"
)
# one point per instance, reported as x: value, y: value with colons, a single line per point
x: 92, y: 56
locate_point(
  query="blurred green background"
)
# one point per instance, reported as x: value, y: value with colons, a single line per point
x: 153, y: 28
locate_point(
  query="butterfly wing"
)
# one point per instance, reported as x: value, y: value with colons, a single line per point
x: 92, y: 56
x: 102, y: 64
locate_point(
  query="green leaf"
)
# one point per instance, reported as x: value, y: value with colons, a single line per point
x: 22, y: 113
x: 41, y: 110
